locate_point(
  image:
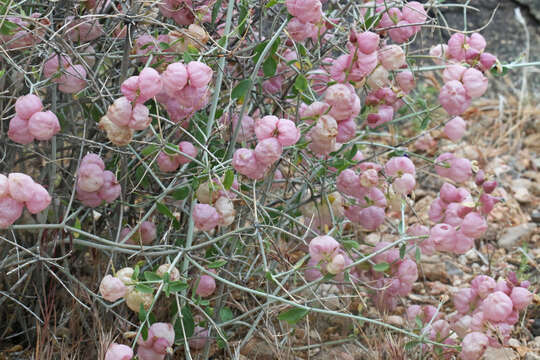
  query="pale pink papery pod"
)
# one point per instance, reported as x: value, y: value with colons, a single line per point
x: 175, y: 78
x: 18, y: 131
x: 187, y: 148
x: 90, y: 177
x: 111, y: 189
x: 245, y: 162
x: 287, y: 132
x: 473, y: 346
x: 200, y: 74
x: 205, y: 217
x: 521, y: 298
x: 149, y: 84
x: 454, y: 98
x: 120, y: 111
x: 140, y: 118
x: 72, y: 80
x: 402, y: 32
x: 43, y: 125
x: 456, y: 46
x: 455, y: 128
x: 268, y: 151
x: 10, y: 211
x: 28, y: 105
x: 497, y: 306
x: 112, y: 288
x: 118, y: 352
x: 322, y: 247
x: 21, y: 187
x: 474, y: 82
x: 266, y: 127
x: 199, y: 339
x: 206, y: 286
x: 40, y: 201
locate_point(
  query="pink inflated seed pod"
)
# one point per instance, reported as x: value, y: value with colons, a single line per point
x: 521, y: 298
x: 10, y: 211
x: 112, y: 288
x: 39, y: 201
x: 287, y: 133
x: 90, y: 177
x: 266, y: 127
x: 21, y: 186
x: 140, y: 118
x: 199, y: 74
x: 205, y: 217
x: 28, y: 105
x: 454, y: 98
x: 43, y: 125
x: 187, y: 148
x: 268, y: 151
x: 322, y: 247
x: 149, y: 84
x: 473, y: 346
x: 111, y: 189
x: 18, y: 131
x: 245, y: 162
x: 474, y: 82
x: 206, y: 286
x: 175, y: 78
x: 455, y: 128
x: 118, y: 352
x: 497, y: 306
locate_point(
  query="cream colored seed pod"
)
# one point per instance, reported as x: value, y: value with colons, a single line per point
x: 174, y: 274
x: 118, y: 135
x: 135, y: 298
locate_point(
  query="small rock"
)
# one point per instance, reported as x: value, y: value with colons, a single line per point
x: 512, y: 236
x: 532, y: 356
x: 514, y: 342
x: 535, y: 216
x: 500, y: 354
x: 452, y: 269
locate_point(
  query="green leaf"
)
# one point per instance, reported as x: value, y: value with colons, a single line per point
x: 181, y: 194
x: 301, y: 49
x: 177, y: 286
x: 136, y: 273
x: 257, y: 51
x: 215, y: 11
x: 241, y: 89
x: 350, y: 244
x: 381, y: 267
x: 144, y: 288
x: 187, y: 320
x: 292, y: 316
x: 142, y: 313
x: 165, y: 211
x: 144, y: 331
x: 150, y: 149
x: 228, y: 180
x: 226, y: 314
x: 270, y: 66
x: 411, y: 344
x: 171, y: 149
x: 418, y: 254
x: 271, y: 3
x: 151, y: 276
x: 216, y: 264
x: 402, y: 251
x: 8, y: 28
x: 301, y: 83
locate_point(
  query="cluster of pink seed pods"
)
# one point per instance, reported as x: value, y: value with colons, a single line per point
x: 171, y: 162
x: 156, y: 346
x: 30, y: 122
x: 70, y: 77
x: 94, y: 183
x: 16, y: 191
x: 145, y: 235
x: 326, y: 257
x: 402, y: 23
x: 306, y: 21
x: 215, y: 207
x: 26, y: 32
x: 272, y: 135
